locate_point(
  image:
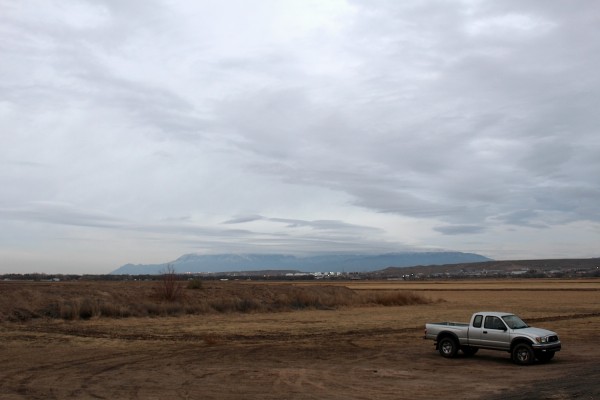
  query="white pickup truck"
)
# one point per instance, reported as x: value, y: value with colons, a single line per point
x: 495, y: 331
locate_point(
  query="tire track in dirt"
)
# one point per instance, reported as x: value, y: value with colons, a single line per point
x: 29, y: 380
x: 98, y: 376
x: 580, y: 383
x: 565, y: 317
x: 211, y: 338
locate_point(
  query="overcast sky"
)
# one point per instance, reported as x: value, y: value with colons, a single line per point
x: 137, y: 131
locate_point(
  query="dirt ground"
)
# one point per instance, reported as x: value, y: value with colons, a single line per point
x: 354, y: 353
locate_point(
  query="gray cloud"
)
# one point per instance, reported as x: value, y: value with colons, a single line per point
x: 60, y: 214
x: 418, y: 124
x: 459, y: 229
x: 244, y: 219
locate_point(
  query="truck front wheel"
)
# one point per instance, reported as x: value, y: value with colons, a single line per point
x: 522, y: 354
x: 447, y: 347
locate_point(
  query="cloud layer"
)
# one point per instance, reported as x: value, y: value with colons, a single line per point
x: 139, y: 131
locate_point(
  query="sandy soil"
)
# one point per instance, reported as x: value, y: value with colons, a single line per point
x: 359, y: 353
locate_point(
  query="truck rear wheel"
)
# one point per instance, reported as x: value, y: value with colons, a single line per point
x: 447, y: 347
x: 522, y: 354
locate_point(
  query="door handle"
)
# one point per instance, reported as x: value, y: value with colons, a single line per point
x: 484, y: 331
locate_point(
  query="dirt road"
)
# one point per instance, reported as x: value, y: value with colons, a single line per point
x: 135, y: 359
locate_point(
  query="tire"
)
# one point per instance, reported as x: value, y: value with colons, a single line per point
x: 545, y: 357
x: 522, y: 354
x: 447, y: 347
x: 469, y: 351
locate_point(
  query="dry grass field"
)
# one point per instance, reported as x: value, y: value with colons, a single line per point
x: 301, y: 340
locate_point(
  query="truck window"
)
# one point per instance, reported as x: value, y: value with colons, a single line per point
x: 514, y: 322
x: 493, y: 323
x: 477, y: 321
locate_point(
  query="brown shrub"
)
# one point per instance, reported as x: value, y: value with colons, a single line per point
x: 21, y: 315
x: 88, y: 308
x: 195, y: 284
x: 113, y: 310
x: 228, y: 305
x: 393, y: 298
x: 315, y: 297
x: 68, y: 309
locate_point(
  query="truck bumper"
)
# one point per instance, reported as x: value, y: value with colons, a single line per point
x: 547, y: 347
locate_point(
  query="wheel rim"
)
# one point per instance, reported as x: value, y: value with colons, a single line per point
x: 447, y: 347
x: 523, y: 355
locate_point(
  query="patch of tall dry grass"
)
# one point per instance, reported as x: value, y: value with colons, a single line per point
x: 85, y: 300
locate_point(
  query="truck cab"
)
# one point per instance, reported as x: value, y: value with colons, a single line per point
x: 489, y: 331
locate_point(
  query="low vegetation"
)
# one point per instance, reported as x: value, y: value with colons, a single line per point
x: 22, y: 301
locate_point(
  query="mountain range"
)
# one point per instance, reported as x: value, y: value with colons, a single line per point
x: 197, y: 263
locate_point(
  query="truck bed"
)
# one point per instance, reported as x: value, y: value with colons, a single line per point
x: 450, y: 323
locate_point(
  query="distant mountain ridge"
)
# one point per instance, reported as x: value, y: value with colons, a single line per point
x: 197, y: 263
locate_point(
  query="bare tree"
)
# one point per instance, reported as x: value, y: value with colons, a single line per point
x: 170, y: 288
